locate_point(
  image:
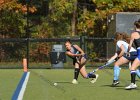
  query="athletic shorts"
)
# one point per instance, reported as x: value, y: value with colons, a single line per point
x: 75, y: 60
x: 132, y: 56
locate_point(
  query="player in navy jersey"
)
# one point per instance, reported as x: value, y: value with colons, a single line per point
x: 79, y: 61
x: 135, y: 38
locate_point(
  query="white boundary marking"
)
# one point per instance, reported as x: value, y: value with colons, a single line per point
x: 20, y: 96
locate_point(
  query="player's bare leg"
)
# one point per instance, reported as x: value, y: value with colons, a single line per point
x: 88, y: 75
x: 118, y: 63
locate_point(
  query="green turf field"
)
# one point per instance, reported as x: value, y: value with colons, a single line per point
x: 40, y: 85
x: 9, y: 79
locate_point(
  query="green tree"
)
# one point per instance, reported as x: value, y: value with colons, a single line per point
x: 11, y: 20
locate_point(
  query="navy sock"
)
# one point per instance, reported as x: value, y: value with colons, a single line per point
x: 76, y: 73
x: 133, y: 76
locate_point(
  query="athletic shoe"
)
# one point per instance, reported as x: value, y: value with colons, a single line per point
x: 131, y: 86
x: 115, y: 82
x: 94, y: 79
x: 74, y: 81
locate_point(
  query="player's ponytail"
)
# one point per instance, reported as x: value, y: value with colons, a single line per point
x: 118, y: 36
x: 137, y: 24
x: 121, y: 36
x: 126, y: 37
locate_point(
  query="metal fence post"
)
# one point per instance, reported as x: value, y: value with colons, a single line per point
x: 27, y: 55
x: 82, y: 42
x: 28, y: 35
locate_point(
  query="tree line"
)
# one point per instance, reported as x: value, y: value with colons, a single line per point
x: 58, y: 18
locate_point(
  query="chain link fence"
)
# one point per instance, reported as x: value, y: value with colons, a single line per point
x: 37, y: 51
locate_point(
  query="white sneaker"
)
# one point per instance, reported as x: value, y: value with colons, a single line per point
x: 131, y: 86
x: 74, y: 81
x: 94, y: 79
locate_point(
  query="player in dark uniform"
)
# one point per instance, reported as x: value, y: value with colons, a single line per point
x: 79, y: 61
x: 135, y: 38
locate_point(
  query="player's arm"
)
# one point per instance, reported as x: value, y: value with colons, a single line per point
x: 72, y: 55
x: 122, y: 51
x: 131, y: 42
x: 79, y: 49
x: 113, y: 58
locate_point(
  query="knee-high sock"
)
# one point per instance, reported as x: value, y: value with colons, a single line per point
x: 133, y: 76
x: 138, y: 72
x: 76, y: 73
x: 116, y: 72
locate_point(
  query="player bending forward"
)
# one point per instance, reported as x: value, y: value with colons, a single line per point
x: 121, y: 41
x: 79, y: 61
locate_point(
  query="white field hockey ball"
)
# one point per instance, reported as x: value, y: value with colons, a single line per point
x: 55, y: 84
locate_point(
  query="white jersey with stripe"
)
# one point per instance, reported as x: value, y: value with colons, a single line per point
x: 125, y: 44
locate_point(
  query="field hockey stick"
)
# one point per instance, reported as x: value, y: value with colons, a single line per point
x: 77, y: 58
x: 101, y: 67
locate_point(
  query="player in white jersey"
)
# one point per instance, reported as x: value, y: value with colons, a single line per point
x: 121, y: 41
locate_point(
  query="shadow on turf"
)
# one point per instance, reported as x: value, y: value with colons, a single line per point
x: 111, y: 86
x: 119, y: 87
x: 126, y: 89
x: 67, y: 82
